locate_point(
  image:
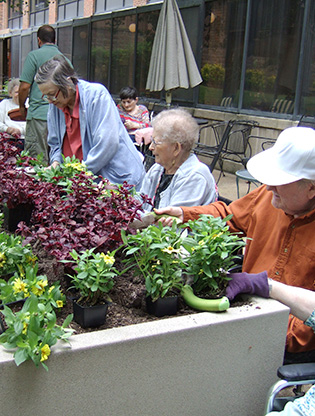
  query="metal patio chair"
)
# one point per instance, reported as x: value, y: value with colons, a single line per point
x: 220, y: 132
x: 243, y: 174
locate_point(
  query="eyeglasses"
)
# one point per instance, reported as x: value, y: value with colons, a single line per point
x: 155, y: 143
x: 50, y: 97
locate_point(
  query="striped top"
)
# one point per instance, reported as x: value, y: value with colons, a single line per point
x: 141, y: 117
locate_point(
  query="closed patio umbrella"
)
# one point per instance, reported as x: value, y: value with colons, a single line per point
x: 172, y: 63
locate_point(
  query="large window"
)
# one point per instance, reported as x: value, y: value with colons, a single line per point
x: 80, y: 52
x: 307, y: 66
x: 64, y: 40
x: 255, y: 56
x: 273, y: 55
x: 123, y: 52
x: 100, y: 51
x: 147, y: 23
x: 222, y: 52
x: 15, y: 14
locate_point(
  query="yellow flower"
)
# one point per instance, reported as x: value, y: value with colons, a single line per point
x: 2, y: 259
x: 76, y: 166
x: 21, y: 270
x: 51, y: 289
x: 107, y: 259
x: 170, y: 250
x: 31, y: 259
x: 25, y: 325
x: 19, y: 286
x: 45, y: 352
x: 59, y: 303
x: 40, y: 287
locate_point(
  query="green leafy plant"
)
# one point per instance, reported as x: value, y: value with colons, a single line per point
x: 213, y: 251
x: 32, y: 331
x: 155, y: 254
x: 94, y: 276
x: 213, y: 74
x: 21, y: 286
x: 13, y: 255
x: 62, y: 174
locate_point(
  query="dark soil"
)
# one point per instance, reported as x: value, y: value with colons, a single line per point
x: 127, y: 305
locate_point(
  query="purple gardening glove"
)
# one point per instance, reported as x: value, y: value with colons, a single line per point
x: 255, y: 284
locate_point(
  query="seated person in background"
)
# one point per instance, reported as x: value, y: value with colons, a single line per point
x: 83, y: 121
x: 15, y: 128
x: 279, y: 219
x: 133, y: 116
x: 302, y: 305
x: 178, y: 177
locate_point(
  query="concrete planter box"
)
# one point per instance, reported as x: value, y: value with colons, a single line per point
x: 200, y: 364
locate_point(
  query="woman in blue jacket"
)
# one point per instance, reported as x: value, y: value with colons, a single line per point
x: 83, y: 121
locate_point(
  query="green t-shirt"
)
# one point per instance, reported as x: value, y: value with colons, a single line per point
x: 37, y: 107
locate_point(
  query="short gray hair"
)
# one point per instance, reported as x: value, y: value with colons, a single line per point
x: 177, y: 126
x: 59, y: 72
x: 14, y: 82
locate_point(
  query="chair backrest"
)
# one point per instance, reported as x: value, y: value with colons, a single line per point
x: 237, y: 143
x: 215, y: 130
x: 282, y: 106
x: 226, y: 102
x: 307, y: 121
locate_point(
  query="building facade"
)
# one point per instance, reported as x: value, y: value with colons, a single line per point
x: 255, y: 56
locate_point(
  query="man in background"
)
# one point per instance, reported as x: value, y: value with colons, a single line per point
x: 36, y: 114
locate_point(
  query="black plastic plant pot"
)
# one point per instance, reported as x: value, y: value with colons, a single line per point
x: 162, y: 306
x: 15, y: 303
x: 12, y: 216
x: 89, y: 316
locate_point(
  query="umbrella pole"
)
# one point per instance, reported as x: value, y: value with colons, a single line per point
x: 168, y: 98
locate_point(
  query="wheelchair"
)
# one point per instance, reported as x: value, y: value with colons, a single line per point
x: 291, y: 375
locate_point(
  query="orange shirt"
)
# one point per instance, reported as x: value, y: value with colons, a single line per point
x: 282, y: 245
x: 72, y: 143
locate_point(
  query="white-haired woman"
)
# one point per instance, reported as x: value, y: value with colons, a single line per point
x: 14, y: 128
x: 178, y: 177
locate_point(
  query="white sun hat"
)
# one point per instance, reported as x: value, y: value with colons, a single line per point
x: 290, y: 159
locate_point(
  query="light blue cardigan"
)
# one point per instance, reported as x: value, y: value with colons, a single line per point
x: 192, y: 184
x: 107, y: 148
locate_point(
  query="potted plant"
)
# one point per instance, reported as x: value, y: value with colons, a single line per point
x: 213, y: 251
x: 93, y: 279
x: 14, y: 256
x: 155, y: 254
x: 32, y: 331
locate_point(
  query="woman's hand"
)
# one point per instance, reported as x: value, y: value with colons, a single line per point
x: 13, y: 131
x: 53, y: 165
x: 131, y: 125
x: 173, y: 212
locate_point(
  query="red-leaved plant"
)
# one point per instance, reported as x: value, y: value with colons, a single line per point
x: 89, y: 215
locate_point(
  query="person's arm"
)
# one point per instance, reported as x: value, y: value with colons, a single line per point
x: 300, y: 301
x: 23, y: 94
x: 3, y: 110
x: 145, y: 117
x: 103, y: 126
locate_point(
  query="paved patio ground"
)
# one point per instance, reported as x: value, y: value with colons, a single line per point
x: 227, y: 185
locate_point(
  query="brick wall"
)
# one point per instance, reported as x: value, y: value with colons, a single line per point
x: 140, y: 2
x: 3, y: 16
x: 88, y: 8
x: 52, y: 12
